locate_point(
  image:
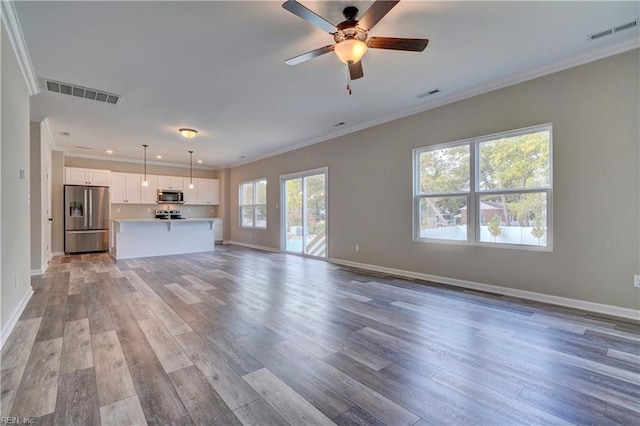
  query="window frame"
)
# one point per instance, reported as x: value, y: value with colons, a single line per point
x: 474, y: 193
x: 254, y: 205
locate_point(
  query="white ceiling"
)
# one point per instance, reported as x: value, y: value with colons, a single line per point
x: 219, y: 67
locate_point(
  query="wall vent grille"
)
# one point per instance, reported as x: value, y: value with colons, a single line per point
x: 613, y: 30
x: 429, y: 93
x: 81, y: 92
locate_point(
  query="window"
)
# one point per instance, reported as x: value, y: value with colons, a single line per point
x: 253, y: 204
x: 488, y: 190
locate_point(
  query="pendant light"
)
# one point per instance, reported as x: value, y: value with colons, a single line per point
x: 190, y: 169
x: 145, y: 182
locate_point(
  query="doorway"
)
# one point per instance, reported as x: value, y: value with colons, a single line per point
x: 305, y: 212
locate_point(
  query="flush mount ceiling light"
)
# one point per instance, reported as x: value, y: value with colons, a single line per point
x: 199, y: 161
x: 159, y: 157
x: 109, y: 151
x: 188, y: 133
x: 190, y: 169
x: 145, y: 182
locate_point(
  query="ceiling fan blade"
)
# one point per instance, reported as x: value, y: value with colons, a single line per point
x: 309, y: 16
x: 309, y: 55
x: 355, y: 70
x: 392, y: 43
x: 376, y: 12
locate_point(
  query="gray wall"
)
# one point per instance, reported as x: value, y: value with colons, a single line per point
x: 595, y: 115
x: 35, y: 184
x: 14, y: 156
x: 57, y: 202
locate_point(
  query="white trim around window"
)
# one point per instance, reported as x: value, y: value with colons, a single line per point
x: 252, y: 200
x: 494, y: 190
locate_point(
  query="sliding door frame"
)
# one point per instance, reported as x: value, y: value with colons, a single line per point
x: 283, y: 210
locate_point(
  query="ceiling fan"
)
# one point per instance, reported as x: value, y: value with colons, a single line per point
x: 351, y: 36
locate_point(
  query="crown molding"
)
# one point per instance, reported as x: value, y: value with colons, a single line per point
x: 612, y: 49
x: 10, y: 21
x: 49, y: 134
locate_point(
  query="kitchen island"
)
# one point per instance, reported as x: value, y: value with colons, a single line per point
x: 160, y: 237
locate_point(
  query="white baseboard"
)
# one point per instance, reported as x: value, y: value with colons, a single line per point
x: 253, y: 246
x: 38, y: 271
x: 8, y: 328
x: 523, y: 294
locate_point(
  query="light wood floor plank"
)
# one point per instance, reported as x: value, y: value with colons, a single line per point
x: 169, y: 353
x: 183, y: 294
x: 17, y: 348
x: 76, y: 346
x: 202, y: 401
x: 10, y: 381
x: 37, y: 393
x: 291, y: 406
x: 127, y: 411
x: 233, y: 390
x: 112, y: 373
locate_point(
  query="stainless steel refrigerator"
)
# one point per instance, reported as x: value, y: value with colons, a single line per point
x: 86, y: 218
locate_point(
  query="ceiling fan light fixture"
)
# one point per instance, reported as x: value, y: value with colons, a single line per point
x: 188, y: 133
x: 351, y: 50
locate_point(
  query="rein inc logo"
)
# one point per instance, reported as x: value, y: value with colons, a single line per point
x: 17, y: 420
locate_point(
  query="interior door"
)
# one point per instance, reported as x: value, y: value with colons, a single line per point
x: 305, y: 213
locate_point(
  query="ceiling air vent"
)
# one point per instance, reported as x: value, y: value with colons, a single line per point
x: 82, y: 92
x: 613, y: 30
x: 429, y: 93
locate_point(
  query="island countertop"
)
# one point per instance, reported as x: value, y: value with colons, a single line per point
x: 161, y: 237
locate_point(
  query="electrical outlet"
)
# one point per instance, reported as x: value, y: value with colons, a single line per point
x: 636, y: 281
x: 357, y: 247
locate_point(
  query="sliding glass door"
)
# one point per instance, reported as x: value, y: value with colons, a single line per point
x: 304, y: 212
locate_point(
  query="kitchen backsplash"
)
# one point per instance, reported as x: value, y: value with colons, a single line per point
x: 147, y: 211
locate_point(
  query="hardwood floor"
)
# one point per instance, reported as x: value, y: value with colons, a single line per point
x: 246, y: 337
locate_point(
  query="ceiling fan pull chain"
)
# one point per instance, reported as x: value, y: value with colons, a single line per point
x: 348, y: 80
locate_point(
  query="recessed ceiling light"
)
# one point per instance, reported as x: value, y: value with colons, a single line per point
x: 242, y: 156
x: 342, y: 123
x: 158, y: 156
x: 109, y: 151
x: 199, y: 161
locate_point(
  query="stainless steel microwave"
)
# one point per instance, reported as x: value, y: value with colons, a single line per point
x: 170, y: 196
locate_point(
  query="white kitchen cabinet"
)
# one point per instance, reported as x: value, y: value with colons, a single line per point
x: 218, y: 230
x: 125, y: 188
x: 171, y: 182
x: 208, y: 191
x: 149, y: 194
x: 92, y: 177
x: 190, y: 195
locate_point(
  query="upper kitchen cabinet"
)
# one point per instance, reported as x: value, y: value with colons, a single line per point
x: 171, y: 182
x: 126, y: 188
x: 149, y: 193
x: 92, y: 177
x: 208, y: 191
x: 190, y: 195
